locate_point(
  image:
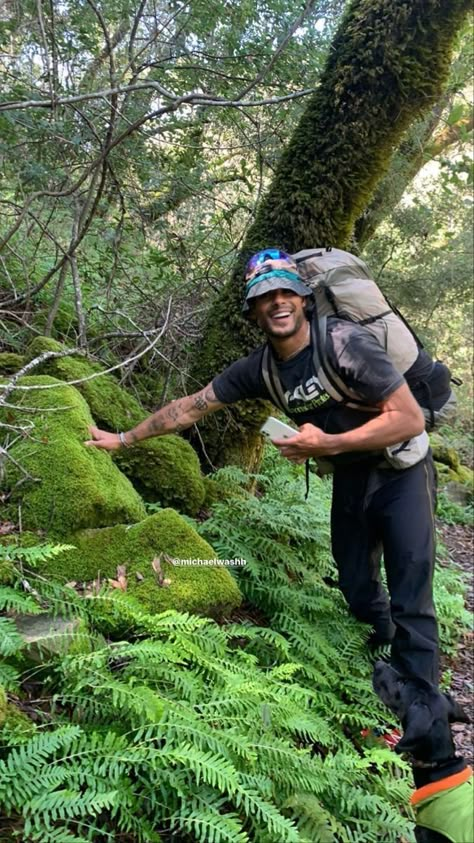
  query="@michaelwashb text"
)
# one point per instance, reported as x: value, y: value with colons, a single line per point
x: 231, y: 563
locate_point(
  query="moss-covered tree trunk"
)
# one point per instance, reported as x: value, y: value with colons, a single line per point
x: 386, y: 67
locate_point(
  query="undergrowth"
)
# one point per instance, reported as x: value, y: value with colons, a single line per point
x: 174, y: 728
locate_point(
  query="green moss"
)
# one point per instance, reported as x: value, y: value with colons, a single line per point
x: 165, y: 470
x: 41, y: 344
x: 17, y: 724
x: 443, y: 453
x: 110, y: 405
x: 75, y: 486
x: 465, y: 475
x: 10, y: 362
x: 208, y: 590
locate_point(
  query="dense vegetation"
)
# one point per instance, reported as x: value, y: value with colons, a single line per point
x: 249, y: 730
x: 146, y: 147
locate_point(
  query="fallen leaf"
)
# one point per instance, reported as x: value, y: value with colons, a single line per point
x: 71, y: 584
x: 156, y: 565
x: 121, y: 577
x: 139, y: 576
x: 121, y: 583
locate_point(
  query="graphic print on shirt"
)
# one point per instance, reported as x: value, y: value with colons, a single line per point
x: 307, y: 396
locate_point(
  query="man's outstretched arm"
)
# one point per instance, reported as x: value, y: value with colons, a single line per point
x: 173, y: 418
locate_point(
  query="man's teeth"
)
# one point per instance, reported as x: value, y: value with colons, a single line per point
x: 280, y: 315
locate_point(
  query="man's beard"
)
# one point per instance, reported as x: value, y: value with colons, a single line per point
x: 268, y: 327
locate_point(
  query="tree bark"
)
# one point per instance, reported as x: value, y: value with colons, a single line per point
x: 387, y: 66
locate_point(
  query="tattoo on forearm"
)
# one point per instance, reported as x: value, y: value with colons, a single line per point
x: 200, y: 403
x: 174, y: 412
x: 156, y: 425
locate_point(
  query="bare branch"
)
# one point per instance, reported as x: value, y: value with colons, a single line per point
x: 50, y: 354
x: 194, y: 98
x: 281, y: 46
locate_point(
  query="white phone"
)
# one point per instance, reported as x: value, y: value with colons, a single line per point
x: 275, y: 429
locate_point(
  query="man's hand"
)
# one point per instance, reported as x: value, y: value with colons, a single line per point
x: 103, y: 439
x: 310, y: 441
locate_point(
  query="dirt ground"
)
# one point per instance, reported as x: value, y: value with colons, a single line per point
x: 459, y: 541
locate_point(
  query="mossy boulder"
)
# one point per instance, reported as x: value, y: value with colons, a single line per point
x: 164, y: 469
x: 444, y: 453
x: 74, y: 486
x: 448, y: 464
x: 110, y: 405
x: 202, y: 589
x: 41, y: 344
x: 10, y: 362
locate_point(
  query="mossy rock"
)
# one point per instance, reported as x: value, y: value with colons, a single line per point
x: 205, y: 589
x: 17, y: 723
x: 110, y: 405
x: 41, y: 344
x: 77, y: 486
x: 10, y: 363
x: 443, y: 453
x: 165, y: 470
x: 461, y: 474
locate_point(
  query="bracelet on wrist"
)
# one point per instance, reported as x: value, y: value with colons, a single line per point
x: 123, y: 441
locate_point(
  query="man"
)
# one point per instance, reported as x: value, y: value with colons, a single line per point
x: 375, y: 507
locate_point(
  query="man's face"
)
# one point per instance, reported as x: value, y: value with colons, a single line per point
x: 279, y: 313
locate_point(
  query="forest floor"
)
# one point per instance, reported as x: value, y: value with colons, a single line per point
x: 459, y: 541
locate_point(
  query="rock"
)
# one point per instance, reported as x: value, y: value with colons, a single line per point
x: 457, y: 492
x: 73, y: 486
x: 164, y: 469
x: 10, y: 362
x: 204, y: 589
x: 443, y: 453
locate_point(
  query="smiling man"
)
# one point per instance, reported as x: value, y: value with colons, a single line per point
x: 376, y: 508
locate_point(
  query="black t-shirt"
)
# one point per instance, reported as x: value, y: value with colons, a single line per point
x: 353, y: 353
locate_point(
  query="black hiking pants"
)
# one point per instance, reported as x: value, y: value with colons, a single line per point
x: 384, y: 510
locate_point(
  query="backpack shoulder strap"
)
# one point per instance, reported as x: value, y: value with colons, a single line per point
x: 326, y: 374
x: 271, y: 379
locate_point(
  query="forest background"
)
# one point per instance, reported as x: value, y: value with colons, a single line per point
x: 147, y: 148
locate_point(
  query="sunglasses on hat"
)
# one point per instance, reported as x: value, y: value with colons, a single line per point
x: 266, y: 255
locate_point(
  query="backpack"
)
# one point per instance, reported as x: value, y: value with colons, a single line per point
x: 342, y: 286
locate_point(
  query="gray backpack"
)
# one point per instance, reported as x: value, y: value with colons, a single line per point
x: 343, y: 287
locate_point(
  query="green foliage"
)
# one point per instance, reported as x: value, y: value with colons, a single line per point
x: 219, y: 733
x: 453, y: 513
